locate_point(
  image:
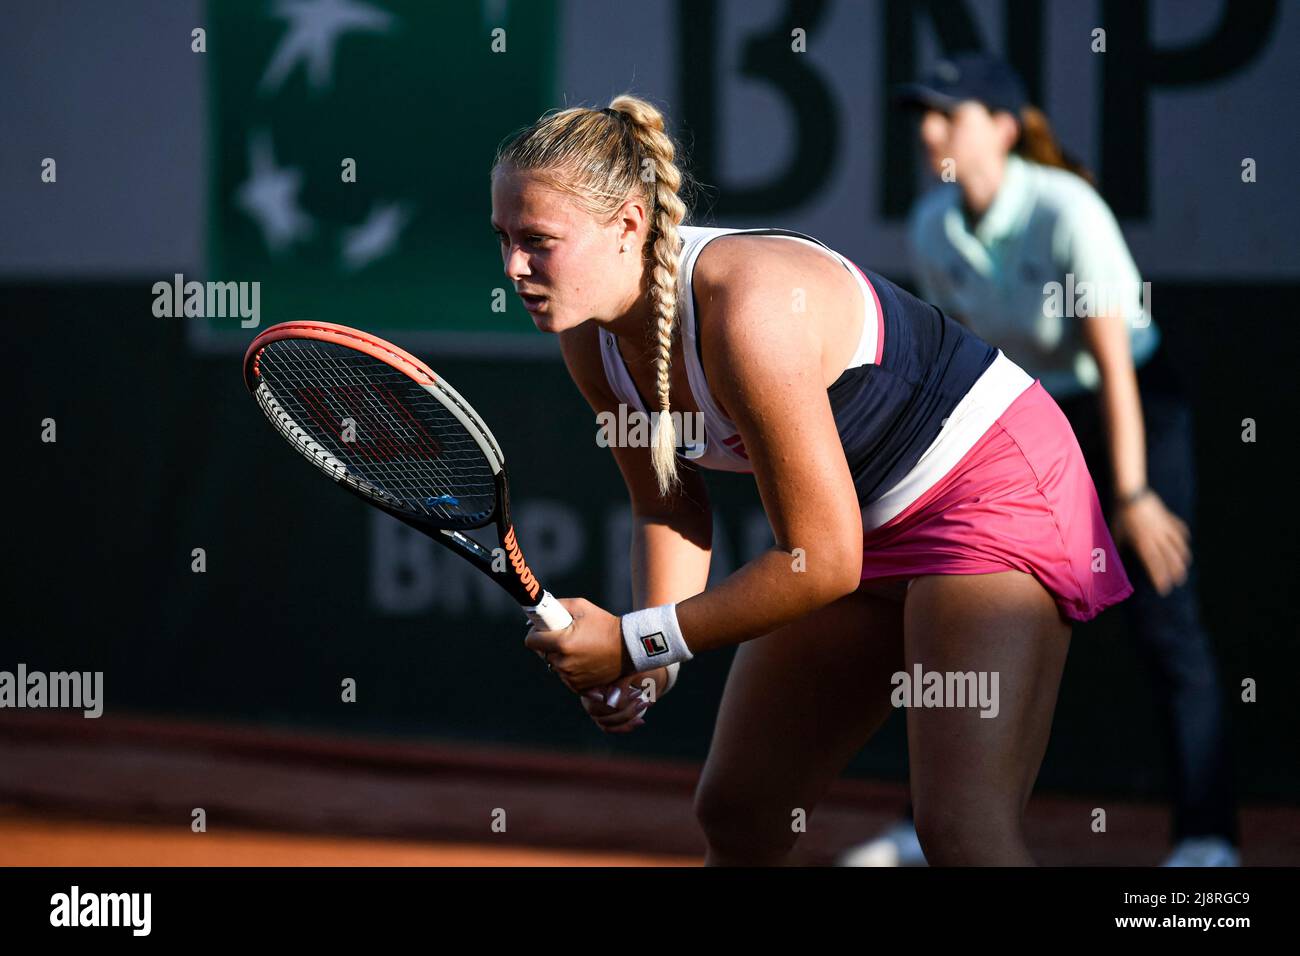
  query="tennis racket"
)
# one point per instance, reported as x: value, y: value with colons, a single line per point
x: 381, y: 424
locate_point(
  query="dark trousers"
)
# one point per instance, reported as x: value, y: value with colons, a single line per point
x: 1170, y: 638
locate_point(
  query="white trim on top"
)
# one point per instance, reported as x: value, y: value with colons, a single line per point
x: 991, y: 395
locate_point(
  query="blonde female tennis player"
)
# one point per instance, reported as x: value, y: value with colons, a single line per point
x: 928, y: 500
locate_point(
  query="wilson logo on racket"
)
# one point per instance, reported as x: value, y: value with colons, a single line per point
x: 517, y: 562
x: 654, y: 644
x: 392, y: 431
x: 376, y: 419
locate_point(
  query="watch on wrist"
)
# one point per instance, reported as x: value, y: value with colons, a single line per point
x: 1133, y: 497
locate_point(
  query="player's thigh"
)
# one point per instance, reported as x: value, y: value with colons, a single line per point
x: 799, y: 703
x: 1003, y: 627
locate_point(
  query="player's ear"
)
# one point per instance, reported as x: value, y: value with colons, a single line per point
x: 631, y: 222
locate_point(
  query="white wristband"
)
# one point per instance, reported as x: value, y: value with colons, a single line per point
x: 654, y: 638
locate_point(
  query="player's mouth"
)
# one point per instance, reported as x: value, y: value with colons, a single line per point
x: 533, y: 303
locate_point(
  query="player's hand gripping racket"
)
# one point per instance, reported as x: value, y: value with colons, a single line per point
x: 380, y: 423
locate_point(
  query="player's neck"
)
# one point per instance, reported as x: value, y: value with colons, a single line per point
x: 634, y: 322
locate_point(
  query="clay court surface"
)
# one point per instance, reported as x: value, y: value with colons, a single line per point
x: 120, y: 792
x: 36, y: 841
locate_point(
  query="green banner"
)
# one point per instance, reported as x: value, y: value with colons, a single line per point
x: 351, y: 148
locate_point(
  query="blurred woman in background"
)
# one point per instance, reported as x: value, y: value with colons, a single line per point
x: 1018, y: 246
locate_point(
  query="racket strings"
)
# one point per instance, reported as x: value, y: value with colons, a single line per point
x: 403, y: 440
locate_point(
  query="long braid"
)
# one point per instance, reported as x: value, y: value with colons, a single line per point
x: 663, y: 180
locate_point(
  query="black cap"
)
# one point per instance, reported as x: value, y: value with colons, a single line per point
x: 967, y: 76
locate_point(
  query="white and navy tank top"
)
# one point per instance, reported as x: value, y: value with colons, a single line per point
x: 918, y: 393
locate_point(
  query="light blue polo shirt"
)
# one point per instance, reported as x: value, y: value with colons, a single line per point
x: 1046, y: 251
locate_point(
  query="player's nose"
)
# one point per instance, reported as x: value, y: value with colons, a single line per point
x: 517, y: 264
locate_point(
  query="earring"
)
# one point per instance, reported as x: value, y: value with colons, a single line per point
x: 622, y: 248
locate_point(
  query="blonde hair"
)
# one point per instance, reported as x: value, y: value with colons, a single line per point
x: 601, y: 158
x: 1038, y: 143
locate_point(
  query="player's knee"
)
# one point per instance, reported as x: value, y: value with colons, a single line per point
x: 955, y: 832
x: 739, y: 827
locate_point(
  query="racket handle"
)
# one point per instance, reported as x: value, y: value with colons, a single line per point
x: 549, y: 614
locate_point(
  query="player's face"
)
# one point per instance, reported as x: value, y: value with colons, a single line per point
x: 563, y: 264
x: 967, y: 138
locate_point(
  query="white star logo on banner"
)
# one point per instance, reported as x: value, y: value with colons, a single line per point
x: 270, y: 197
x: 315, y: 26
x: 376, y: 237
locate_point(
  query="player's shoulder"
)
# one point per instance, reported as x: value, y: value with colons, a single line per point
x: 742, y: 266
x: 742, y: 288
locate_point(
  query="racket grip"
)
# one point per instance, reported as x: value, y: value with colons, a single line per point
x: 549, y: 614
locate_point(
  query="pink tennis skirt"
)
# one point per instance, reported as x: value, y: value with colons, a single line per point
x: 1020, y: 500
